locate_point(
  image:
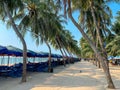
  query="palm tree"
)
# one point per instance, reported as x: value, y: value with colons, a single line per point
x: 86, y: 51
x: 113, y: 39
x: 82, y: 8
x: 44, y: 24
x: 68, y: 42
x: 9, y: 8
x: 97, y: 26
x: 112, y: 47
x: 115, y: 27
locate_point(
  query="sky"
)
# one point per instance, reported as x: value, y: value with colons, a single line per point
x: 8, y: 36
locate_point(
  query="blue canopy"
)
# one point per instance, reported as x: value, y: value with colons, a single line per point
x: 54, y: 55
x: 13, y: 51
x: 31, y: 53
x: 39, y: 54
x: 2, y: 50
x: 59, y: 56
x: 44, y: 54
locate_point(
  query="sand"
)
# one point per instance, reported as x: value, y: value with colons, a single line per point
x: 79, y: 76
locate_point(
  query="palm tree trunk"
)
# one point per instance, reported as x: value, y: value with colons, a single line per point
x: 63, y: 57
x: 65, y: 52
x: 99, y: 36
x: 100, y: 57
x: 61, y: 50
x: 99, y: 66
x: 66, y: 56
x: 49, y: 59
x: 22, y: 40
x: 70, y: 57
x: 109, y: 79
x: 98, y: 61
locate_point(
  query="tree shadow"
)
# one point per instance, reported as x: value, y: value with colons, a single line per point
x: 69, y: 77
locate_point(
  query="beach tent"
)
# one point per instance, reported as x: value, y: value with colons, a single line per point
x: 54, y: 55
x: 44, y: 54
x: 13, y: 51
x: 39, y: 54
x: 31, y: 53
x: 59, y: 56
x: 2, y: 50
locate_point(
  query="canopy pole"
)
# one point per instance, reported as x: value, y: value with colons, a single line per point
x: 8, y: 60
x: 2, y: 60
x: 15, y: 59
x: 33, y: 59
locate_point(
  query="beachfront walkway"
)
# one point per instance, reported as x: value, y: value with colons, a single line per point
x: 63, y: 78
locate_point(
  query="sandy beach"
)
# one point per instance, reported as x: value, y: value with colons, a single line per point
x: 79, y: 76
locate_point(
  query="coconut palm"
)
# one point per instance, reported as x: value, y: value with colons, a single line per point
x: 116, y: 26
x: 86, y: 51
x: 43, y: 24
x: 9, y: 8
x: 71, y: 44
x: 112, y: 47
x: 67, y: 42
x: 82, y: 7
x: 113, y: 39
